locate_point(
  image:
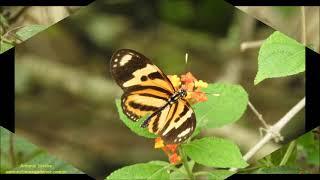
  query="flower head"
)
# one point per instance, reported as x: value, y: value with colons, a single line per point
x: 158, y: 143
x: 175, y: 158
x: 169, y: 149
x: 188, y: 78
x: 193, y: 87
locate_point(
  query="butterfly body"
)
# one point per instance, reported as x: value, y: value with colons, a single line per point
x: 148, y: 91
x: 181, y: 93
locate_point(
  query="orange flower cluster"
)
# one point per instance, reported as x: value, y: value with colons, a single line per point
x: 169, y: 149
x: 191, y: 85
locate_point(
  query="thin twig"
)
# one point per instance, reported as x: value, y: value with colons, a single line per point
x: 250, y: 44
x: 13, y: 29
x: 259, y: 115
x: 275, y: 129
x: 303, y: 22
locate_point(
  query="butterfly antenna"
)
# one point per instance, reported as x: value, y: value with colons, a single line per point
x: 186, y: 58
x: 187, y: 67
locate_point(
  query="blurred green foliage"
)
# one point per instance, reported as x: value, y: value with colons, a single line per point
x: 309, y: 148
x: 20, y: 156
x: 303, y: 159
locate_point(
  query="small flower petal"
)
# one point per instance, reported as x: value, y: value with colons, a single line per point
x: 187, y: 78
x: 172, y: 147
x: 175, y: 158
x: 158, y: 143
x: 175, y: 80
x: 200, y: 84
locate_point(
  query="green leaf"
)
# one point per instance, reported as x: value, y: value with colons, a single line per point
x: 181, y: 173
x: 226, y: 104
x: 134, y: 126
x: 29, y: 31
x: 4, y: 46
x: 278, y: 170
x: 20, y: 156
x: 215, y: 152
x: 150, y: 170
x: 280, y: 56
x: 220, y: 174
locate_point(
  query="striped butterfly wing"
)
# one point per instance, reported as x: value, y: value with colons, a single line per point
x: 147, y: 90
x: 146, y: 87
x: 175, y: 123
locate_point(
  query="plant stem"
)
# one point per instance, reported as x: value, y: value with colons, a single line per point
x: 250, y: 45
x: 259, y: 115
x: 185, y: 163
x: 288, y: 153
x: 276, y: 128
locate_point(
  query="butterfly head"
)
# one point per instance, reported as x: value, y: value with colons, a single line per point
x: 182, y: 92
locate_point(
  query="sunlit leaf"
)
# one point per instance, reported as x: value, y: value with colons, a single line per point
x: 226, y: 104
x: 4, y: 46
x: 29, y: 31
x: 220, y: 174
x: 280, y: 56
x: 150, y: 170
x: 215, y: 152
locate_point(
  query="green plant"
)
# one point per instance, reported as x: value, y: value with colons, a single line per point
x: 18, y: 156
x: 9, y: 37
x: 208, y: 151
x: 279, y: 56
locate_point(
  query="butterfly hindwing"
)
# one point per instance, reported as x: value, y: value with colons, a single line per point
x: 139, y: 103
x: 175, y: 123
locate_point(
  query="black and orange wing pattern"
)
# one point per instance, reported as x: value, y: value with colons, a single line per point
x: 175, y: 123
x: 146, y: 90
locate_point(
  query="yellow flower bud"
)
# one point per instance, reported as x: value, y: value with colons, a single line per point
x: 201, y: 84
x: 175, y: 80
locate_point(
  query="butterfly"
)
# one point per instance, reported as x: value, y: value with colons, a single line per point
x: 148, y: 91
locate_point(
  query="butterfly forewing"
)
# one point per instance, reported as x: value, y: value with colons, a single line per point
x: 130, y: 68
x: 147, y: 90
x: 146, y: 87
